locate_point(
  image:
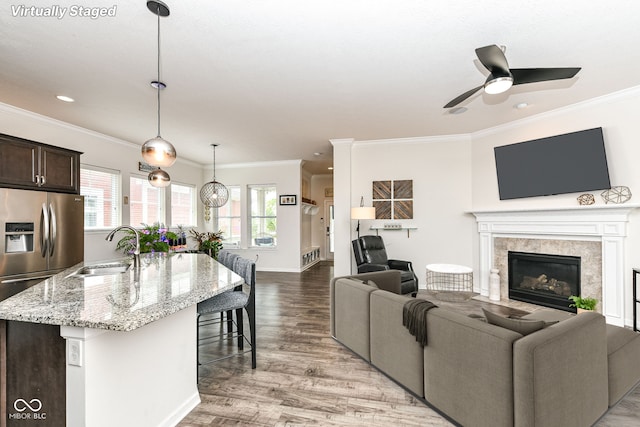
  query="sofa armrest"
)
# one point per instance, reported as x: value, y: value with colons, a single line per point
x: 560, y: 374
x: 400, y: 265
x: 350, y: 314
x: 468, y: 369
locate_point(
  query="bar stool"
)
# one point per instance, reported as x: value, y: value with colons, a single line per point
x: 236, y: 300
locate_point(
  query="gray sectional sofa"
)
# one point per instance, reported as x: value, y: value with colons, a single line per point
x: 480, y: 374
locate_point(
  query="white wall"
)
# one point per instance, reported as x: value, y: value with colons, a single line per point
x: 616, y: 114
x: 440, y: 168
x: 286, y: 176
x: 98, y: 150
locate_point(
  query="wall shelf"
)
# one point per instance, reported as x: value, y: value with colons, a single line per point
x: 408, y: 229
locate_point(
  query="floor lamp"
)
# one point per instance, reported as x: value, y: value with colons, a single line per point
x: 362, y: 212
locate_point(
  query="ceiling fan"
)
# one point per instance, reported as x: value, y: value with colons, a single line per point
x: 501, y: 77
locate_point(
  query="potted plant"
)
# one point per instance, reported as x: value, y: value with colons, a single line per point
x: 208, y: 242
x: 583, y: 304
x: 153, y: 238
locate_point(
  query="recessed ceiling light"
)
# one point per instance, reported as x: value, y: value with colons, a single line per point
x: 521, y: 105
x: 317, y: 153
x: 330, y: 168
x: 65, y: 98
x: 458, y: 110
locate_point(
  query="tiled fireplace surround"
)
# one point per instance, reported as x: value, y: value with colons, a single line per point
x: 596, y: 234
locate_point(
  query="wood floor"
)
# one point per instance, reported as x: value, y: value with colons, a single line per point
x: 304, y: 377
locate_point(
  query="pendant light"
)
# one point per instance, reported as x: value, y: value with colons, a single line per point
x: 214, y: 194
x: 158, y: 151
x: 159, y: 178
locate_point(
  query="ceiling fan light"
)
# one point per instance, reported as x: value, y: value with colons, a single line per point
x: 159, y: 152
x: 159, y: 178
x: 498, y: 85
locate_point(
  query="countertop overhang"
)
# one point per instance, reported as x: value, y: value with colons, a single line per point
x: 164, y: 284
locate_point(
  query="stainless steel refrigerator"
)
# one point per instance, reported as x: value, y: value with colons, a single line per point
x: 41, y: 234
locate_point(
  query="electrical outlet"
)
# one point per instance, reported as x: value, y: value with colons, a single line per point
x: 74, y: 352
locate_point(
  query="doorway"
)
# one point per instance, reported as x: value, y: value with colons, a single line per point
x: 328, y: 229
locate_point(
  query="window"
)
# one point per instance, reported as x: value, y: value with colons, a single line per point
x: 183, y: 204
x: 101, y: 190
x: 145, y: 202
x: 262, y: 208
x: 229, y: 219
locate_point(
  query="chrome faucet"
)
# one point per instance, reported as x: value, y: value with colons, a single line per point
x: 136, y: 252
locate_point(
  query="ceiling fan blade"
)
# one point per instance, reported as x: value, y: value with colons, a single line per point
x: 493, y: 59
x: 462, y: 97
x: 532, y: 75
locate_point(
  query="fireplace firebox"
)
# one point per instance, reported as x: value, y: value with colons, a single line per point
x: 544, y: 279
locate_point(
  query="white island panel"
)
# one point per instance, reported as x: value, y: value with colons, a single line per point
x: 137, y: 378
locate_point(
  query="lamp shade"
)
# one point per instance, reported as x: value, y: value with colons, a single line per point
x: 363, y: 212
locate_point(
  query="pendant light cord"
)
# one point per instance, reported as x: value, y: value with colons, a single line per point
x: 214, y: 162
x: 158, y: 82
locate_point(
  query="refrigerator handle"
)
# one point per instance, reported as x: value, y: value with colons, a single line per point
x: 44, y: 231
x: 54, y: 230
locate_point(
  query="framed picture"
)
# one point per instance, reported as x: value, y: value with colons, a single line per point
x: 288, y: 199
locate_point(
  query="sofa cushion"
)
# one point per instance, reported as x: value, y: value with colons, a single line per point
x: 393, y: 349
x: 521, y: 326
x: 548, y: 315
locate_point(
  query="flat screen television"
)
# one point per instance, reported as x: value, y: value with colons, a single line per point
x: 569, y: 163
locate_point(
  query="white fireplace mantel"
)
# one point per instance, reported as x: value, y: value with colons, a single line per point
x: 607, y: 224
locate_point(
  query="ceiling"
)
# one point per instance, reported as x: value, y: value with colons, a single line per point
x: 275, y: 80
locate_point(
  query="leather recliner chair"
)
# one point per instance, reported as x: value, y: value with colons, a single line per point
x: 371, y: 255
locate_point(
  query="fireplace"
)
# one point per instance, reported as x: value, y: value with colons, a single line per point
x: 544, y: 279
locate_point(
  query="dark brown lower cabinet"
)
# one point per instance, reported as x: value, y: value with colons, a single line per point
x: 33, y: 375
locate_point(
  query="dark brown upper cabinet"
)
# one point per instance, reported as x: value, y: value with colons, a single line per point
x: 36, y: 166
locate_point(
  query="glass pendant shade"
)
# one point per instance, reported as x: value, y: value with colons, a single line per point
x: 159, y: 152
x: 159, y: 178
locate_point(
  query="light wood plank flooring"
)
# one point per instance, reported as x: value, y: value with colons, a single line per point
x: 304, y: 377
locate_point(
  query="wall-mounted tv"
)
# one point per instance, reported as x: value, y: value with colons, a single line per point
x: 569, y: 163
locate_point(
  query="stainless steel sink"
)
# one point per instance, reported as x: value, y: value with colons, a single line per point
x: 102, y: 269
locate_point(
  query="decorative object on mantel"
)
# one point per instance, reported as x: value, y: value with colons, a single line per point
x: 213, y: 194
x: 617, y: 195
x: 158, y: 151
x: 362, y: 212
x: 494, y: 285
x: 586, y: 199
x: 583, y: 304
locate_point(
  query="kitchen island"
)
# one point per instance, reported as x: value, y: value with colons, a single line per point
x: 130, y: 337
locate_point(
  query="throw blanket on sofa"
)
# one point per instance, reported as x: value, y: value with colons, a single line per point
x: 414, y: 318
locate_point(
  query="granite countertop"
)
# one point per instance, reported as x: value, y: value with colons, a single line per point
x: 163, y: 285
